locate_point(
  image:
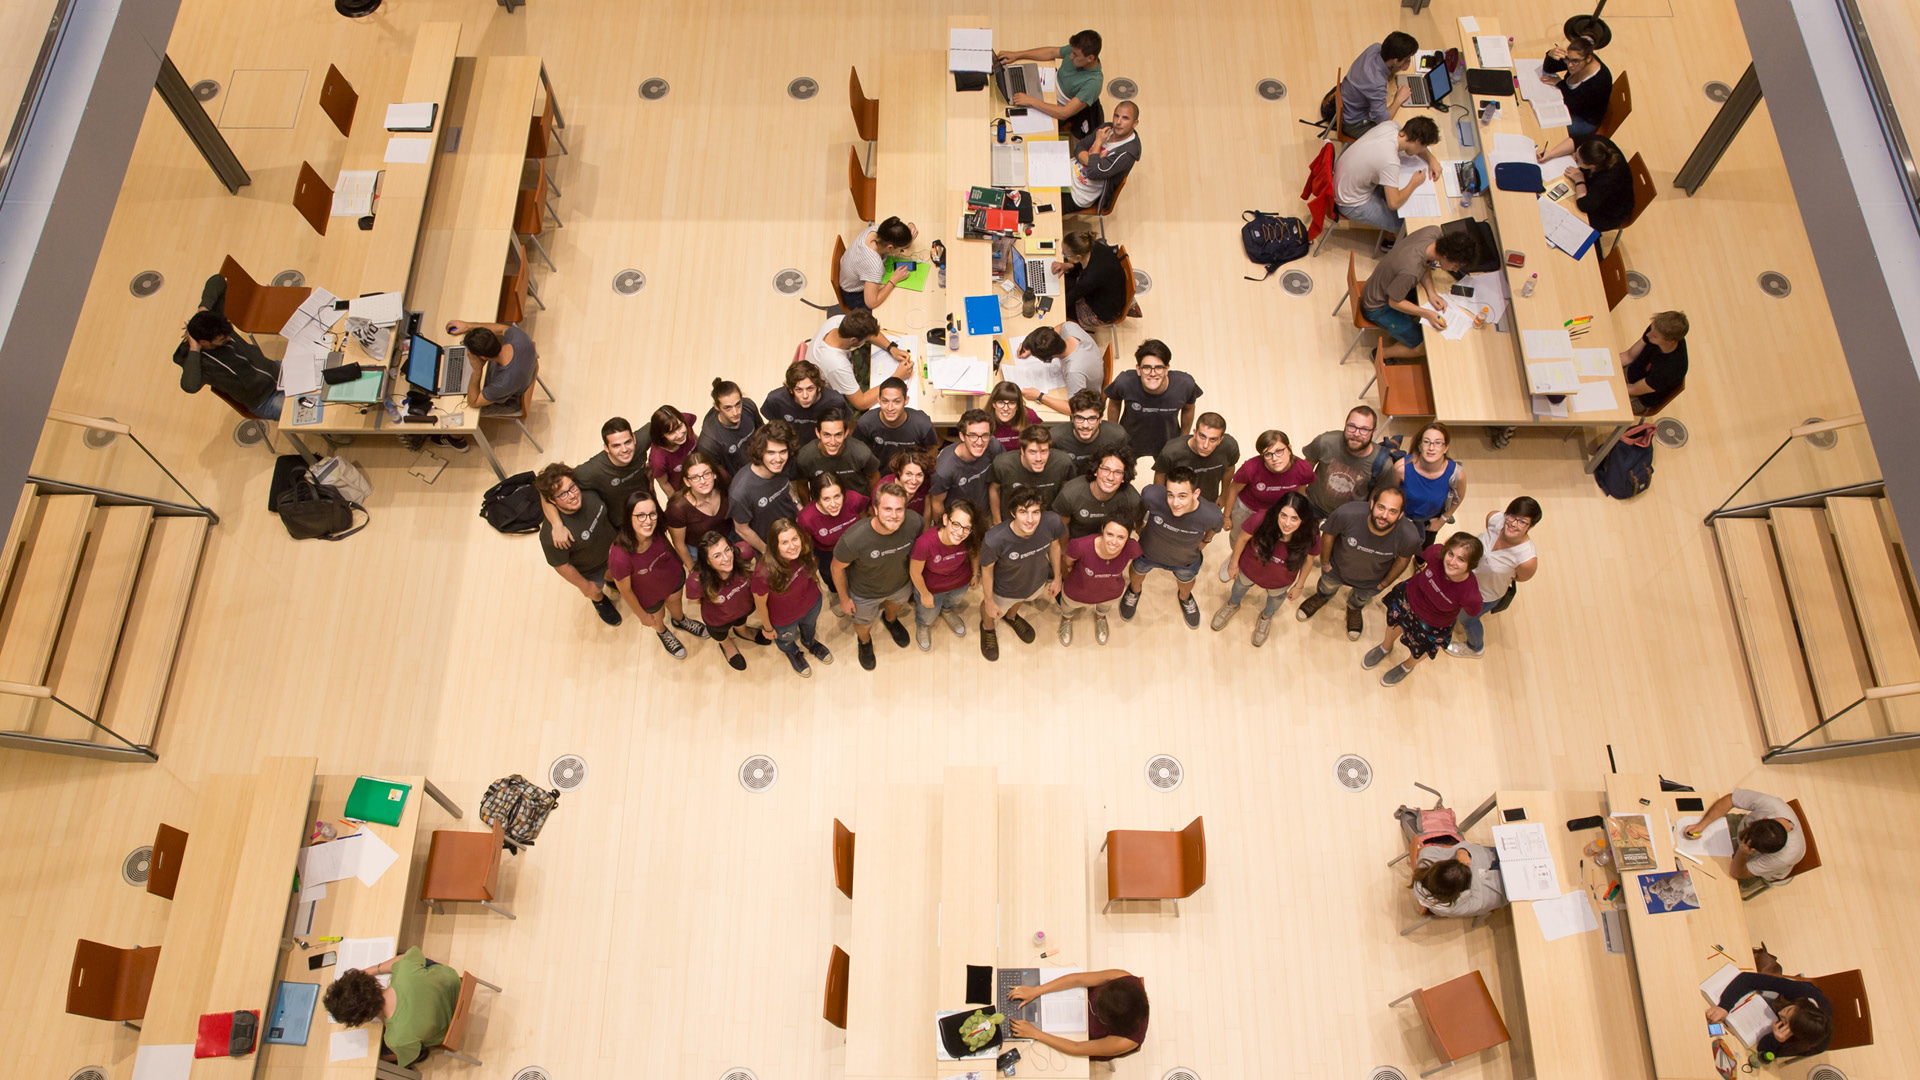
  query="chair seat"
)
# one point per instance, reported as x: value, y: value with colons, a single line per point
x: 457, y: 866
x: 1461, y: 1017
x: 1143, y: 865
x: 528, y: 214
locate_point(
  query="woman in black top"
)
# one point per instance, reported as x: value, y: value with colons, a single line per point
x: 1585, y: 83
x: 1096, y: 283
x: 1804, y: 1016
x: 1602, y: 183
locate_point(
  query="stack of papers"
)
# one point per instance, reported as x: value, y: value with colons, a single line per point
x: 1508, y: 147
x: 1049, y: 165
x: 1564, y: 230
x: 1425, y: 200
x: 1549, y: 107
x: 1552, y: 377
x: 358, y: 855
x: 403, y: 151
x: 1594, y: 397
x: 969, y: 50
x: 306, y: 331
x: 412, y: 116
x: 1062, y: 1010
x: 1547, y: 406
x: 1032, y: 122
x: 380, y: 309
x: 1565, y: 915
x: 1493, y: 50
x: 354, y: 191
x: 1033, y: 373
x: 958, y: 375
x: 1526, y: 862
x: 364, y: 952
x: 1596, y: 364
x: 1459, y: 318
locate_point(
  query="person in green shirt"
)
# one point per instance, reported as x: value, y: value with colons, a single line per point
x: 1080, y: 82
x: 415, y: 1010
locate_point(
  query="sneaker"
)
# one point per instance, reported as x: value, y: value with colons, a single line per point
x: 456, y: 443
x: 1395, y: 675
x: 412, y: 443
x: 1373, y: 657
x: 1129, y: 603
x: 898, y: 631
x: 737, y: 662
x: 819, y: 652
x: 1261, y: 629
x: 672, y: 645
x: 1225, y: 615
x: 1355, y: 624
x: 923, y: 636
x: 955, y: 623
x: 609, y: 614
x: 1066, y: 631
x: 1311, y: 606
x: 1021, y: 628
x: 1226, y: 571
x: 1099, y: 628
x: 693, y: 626
x: 799, y: 662
x: 1460, y: 649
x: 1191, y: 609
x: 866, y: 655
x: 989, y: 643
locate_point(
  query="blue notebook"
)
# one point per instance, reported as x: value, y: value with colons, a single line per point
x: 983, y: 315
x: 292, y: 1013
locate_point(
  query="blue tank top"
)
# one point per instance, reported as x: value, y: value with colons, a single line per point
x: 1426, y: 498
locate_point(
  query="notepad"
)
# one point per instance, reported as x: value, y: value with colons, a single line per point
x: 959, y: 374
x: 916, y: 280
x: 1526, y: 861
x: 1717, y: 982
x: 1493, y: 50
x: 1715, y: 839
x: 1546, y: 345
x: 1062, y: 1010
x: 348, y: 1045
x: 1049, y: 165
x: 1565, y: 915
x: 1594, y: 397
x: 412, y: 115
x: 1032, y: 122
x: 969, y: 50
x: 163, y: 1062
x: 983, y: 315
x: 354, y: 191
x: 1594, y: 364
x: 1564, y: 230
x: 401, y: 151
x: 380, y: 309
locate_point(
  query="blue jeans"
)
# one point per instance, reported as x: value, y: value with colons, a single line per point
x: 1577, y: 127
x: 1143, y: 565
x: 1374, y: 212
x: 942, y: 601
x: 799, y: 630
x: 1476, y: 632
x: 1275, y: 597
x: 1330, y: 582
x: 1403, y: 327
x: 270, y: 409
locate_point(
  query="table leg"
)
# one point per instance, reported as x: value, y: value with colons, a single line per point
x: 300, y: 448
x: 487, y: 449
x: 441, y: 797
x: 1606, y: 447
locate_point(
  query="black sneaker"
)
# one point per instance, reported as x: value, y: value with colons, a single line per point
x: 693, y: 627
x: 1020, y: 627
x: 1192, y: 611
x: 1311, y: 606
x: 799, y: 662
x: 1355, y: 624
x: 866, y: 655
x: 819, y: 652
x: 737, y: 662
x: 899, y: 632
x: 456, y: 443
x: 989, y: 643
x: 672, y: 644
x: 1129, y: 603
x: 607, y: 612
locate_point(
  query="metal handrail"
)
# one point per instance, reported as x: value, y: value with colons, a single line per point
x: 36, y: 84
x: 1883, y: 109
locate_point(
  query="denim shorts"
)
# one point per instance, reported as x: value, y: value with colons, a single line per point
x: 1142, y: 565
x: 1404, y: 327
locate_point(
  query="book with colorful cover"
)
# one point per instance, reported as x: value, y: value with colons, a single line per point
x: 1631, y: 837
x: 1671, y: 891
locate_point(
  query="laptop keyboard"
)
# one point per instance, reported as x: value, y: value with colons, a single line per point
x: 453, y: 380
x: 1008, y: 978
x: 1040, y: 277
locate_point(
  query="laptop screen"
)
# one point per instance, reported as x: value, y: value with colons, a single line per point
x: 423, y: 364
x: 1438, y: 83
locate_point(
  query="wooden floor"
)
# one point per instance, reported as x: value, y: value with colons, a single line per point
x: 672, y: 925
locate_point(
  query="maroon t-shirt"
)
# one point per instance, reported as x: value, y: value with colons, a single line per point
x: 1009, y: 434
x: 785, y: 609
x: 1094, y: 580
x: 948, y: 568
x: 825, y: 531
x: 733, y: 600
x: 1272, y: 574
x: 654, y: 574
x: 681, y: 514
x: 1097, y: 1030
x: 916, y: 502
x: 667, y: 465
x: 1436, y: 599
x: 1264, y: 487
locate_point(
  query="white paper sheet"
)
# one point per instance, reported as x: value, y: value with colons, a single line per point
x: 300, y: 366
x: 1448, y: 173
x: 353, y: 192
x: 1565, y: 915
x: 1030, y: 372
x: 1032, y: 122
x: 1593, y: 397
x: 331, y: 861
x: 1508, y: 147
x: 1425, y: 200
x: 1556, y: 168
x: 975, y: 38
x: 1049, y: 165
x: 374, y: 858
x: 980, y: 60
x: 1459, y: 319
x: 313, y: 892
x: 1527, y: 70
x: 1552, y: 377
x: 357, y: 953
x: 1595, y: 364
x: 1050, y: 82
x: 1470, y: 24
x: 163, y: 1062
x: 960, y: 374
x: 1063, y: 1010
x: 1551, y: 114
x: 1489, y: 294
x: 404, y: 151
x: 1544, y: 406
x: 348, y: 1045
x: 1526, y: 861
x: 1716, y: 983
x: 1546, y: 345
x: 314, y: 316
x: 1716, y: 840
x: 1751, y: 1018
x: 410, y: 116
x: 1562, y: 228
x: 1493, y: 50
x: 380, y: 309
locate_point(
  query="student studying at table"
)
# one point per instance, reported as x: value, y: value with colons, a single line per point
x: 1803, y: 1017
x: 1367, y: 94
x: 864, y: 282
x: 1117, y: 1013
x: 414, y: 1011
x: 1080, y: 82
x: 1602, y: 183
x: 1584, y: 81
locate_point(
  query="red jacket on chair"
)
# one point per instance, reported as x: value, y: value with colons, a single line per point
x: 1319, y: 192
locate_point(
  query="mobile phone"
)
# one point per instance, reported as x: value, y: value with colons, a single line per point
x: 1461, y: 290
x: 1005, y: 1062
x: 1558, y: 190
x: 325, y: 959
x: 1716, y: 1029
x: 1018, y: 110
x: 1046, y: 304
x: 1594, y: 822
x: 1694, y: 805
x: 1045, y: 208
x: 1518, y: 813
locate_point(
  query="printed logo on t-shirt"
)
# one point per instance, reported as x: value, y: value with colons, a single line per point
x: 1083, y: 511
x: 764, y: 500
x: 1158, y: 520
x: 1018, y: 555
x: 873, y: 553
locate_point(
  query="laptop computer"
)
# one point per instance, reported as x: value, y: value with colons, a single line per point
x: 1017, y: 79
x: 1428, y: 89
x: 1035, y: 274
x: 291, y: 1017
x: 1005, y: 979
x: 435, y: 370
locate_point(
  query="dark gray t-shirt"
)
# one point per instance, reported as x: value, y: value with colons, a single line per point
x: 1151, y: 419
x: 730, y: 444
x: 1358, y: 556
x: 1208, y: 472
x: 780, y: 406
x: 1399, y: 270
x: 758, y: 503
x: 1020, y: 563
x: 1340, y: 476
x: 914, y: 433
x: 876, y: 564
x: 855, y: 466
x: 506, y: 383
x: 1110, y: 436
x: 967, y: 480
x: 611, y: 482
x: 1085, y: 514
x: 1009, y: 471
x: 592, y: 528
x: 1170, y: 540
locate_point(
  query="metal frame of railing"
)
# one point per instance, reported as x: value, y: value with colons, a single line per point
x: 1889, y: 118
x: 36, y: 84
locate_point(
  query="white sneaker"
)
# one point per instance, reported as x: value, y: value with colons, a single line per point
x: 1459, y: 649
x: 1226, y: 572
x: 955, y: 623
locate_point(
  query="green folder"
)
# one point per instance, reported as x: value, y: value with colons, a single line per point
x: 378, y: 801
x: 916, y: 278
x: 362, y: 391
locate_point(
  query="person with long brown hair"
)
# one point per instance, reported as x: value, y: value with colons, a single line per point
x: 911, y: 470
x: 830, y: 513
x: 699, y: 507
x: 671, y: 439
x: 786, y: 593
x: 648, y: 570
x: 723, y: 583
x: 1008, y: 408
x: 1269, y: 550
x: 944, y: 566
x: 1421, y: 610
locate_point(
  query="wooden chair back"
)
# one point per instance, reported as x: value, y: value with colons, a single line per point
x: 860, y: 186
x: 1613, y: 277
x: 835, y: 1008
x: 1106, y: 366
x: 1643, y: 188
x: 1126, y: 283
x: 108, y: 983
x: 1852, y: 1019
x: 1193, y: 856
x: 843, y: 858
x: 540, y: 133
x: 313, y: 198
x: 1460, y: 1017
x: 1811, y: 860
x: 1112, y: 198
x: 833, y: 270
x: 457, y: 1024
x: 169, y: 843
x: 257, y: 308
x: 1405, y: 388
x: 866, y: 110
x: 1619, y: 106
x: 338, y: 100
x: 513, y: 293
x: 1355, y: 287
x: 529, y: 208
x: 1339, y: 107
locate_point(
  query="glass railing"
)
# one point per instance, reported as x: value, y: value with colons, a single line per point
x: 1818, y: 458
x: 33, y: 718
x: 100, y: 456
x: 25, y: 58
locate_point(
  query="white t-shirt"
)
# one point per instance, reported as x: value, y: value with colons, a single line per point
x: 861, y: 263
x: 1373, y: 160
x: 1497, y: 568
x: 1775, y: 866
x: 834, y: 364
x: 1089, y: 192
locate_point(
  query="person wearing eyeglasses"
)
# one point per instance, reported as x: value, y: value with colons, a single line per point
x: 961, y: 470
x: 1096, y: 567
x: 1153, y: 401
x: 1509, y: 558
x: 700, y: 507
x: 1103, y: 492
x: 1084, y: 435
x: 649, y: 572
x: 1433, y: 482
x: 1585, y: 84
x: 1365, y: 546
x: 1261, y: 481
x: 583, y: 564
x: 1347, y: 463
x: 611, y: 474
x: 944, y: 566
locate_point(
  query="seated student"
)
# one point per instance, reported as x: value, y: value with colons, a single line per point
x: 1368, y: 96
x: 1036, y: 466
x: 1210, y: 452
x: 414, y: 1011
x: 1391, y: 299
x: 1270, y: 550
x: 1019, y: 562
x: 911, y: 471
x: 582, y: 564
x: 1656, y: 366
x: 210, y: 355
x: 670, y: 433
x: 864, y: 283
x: 611, y: 474
x: 832, y: 347
x: 1096, y: 282
x: 1771, y: 843
x: 786, y: 594
x: 511, y: 364
x: 700, y: 507
x: 893, y: 427
x: 1585, y: 83
x: 961, y: 470
x: 1455, y: 880
x: 1803, y: 1017
x: 1102, y: 492
x: 944, y: 566
x: 763, y: 492
x: 1102, y: 160
x: 723, y: 583
x: 728, y: 425
x: 1153, y: 401
x: 800, y: 399
x: 1365, y: 546
x: 649, y: 571
x: 1007, y: 406
x: 1509, y: 559
x: 1176, y: 526
x: 1421, y: 610
x: 1117, y: 1014
x: 1082, y: 366
x: 1080, y: 82
x: 1369, y: 184
x: 832, y: 452
x: 1085, y: 436
x: 1602, y: 183
x: 1096, y: 574
x: 830, y: 511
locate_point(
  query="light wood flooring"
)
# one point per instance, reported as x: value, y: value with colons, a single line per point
x: 672, y: 925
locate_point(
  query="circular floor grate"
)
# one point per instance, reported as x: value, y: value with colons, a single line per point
x: 1180, y: 1072
x: 1352, y: 772
x: 802, y: 89
x: 654, y: 89
x: 1164, y: 772
x: 1775, y: 284
x: 789, y: 282
x: 1296, y: 283
x: 568, y: 772
x: 738, y: 1072
x: 1825, y: 1072
x: 1386, y: 1072
x: 1821, y: 440
x: 96, y: 439
x: 1717, y: 91
x: 1142, y: 282
x: 206, y: 90
x: 533, y: 1072
x: 1272, y: 89
x: 758, y: 773
x: 249, y: 433
x: 145, y: 283
x: 138, y: 864
x: 289, y: 279
x: 1637, y: 284
x: 628, y: 282
x: 1671, y: 433
x: 1123, y: 89
x: 99, y: 1072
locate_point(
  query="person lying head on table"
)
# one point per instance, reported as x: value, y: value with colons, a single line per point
x: 510, y: 357
x: 414, y: 1011
x: 1771, y: 843
x: 1803, y: 1017
x: 1116, y: 1013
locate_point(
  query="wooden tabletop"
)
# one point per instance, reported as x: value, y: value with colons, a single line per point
x: 896, y: 918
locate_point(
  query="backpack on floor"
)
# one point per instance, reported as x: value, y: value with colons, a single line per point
x: 1627, y: 470
x: 520, y: 809
x: 313, y: 511
x: 1272, y: 241
x: 340, y: 474
x: 512, y: 505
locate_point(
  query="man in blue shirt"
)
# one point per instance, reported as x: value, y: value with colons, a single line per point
x: 1367, y: 96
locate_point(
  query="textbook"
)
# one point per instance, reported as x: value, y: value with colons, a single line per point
x: 1632, y: 840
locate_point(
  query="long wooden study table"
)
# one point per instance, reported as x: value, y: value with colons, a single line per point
x: 228, y: 940
x: 1623, y: 1016
x: 945, y: 876
x: 1481, y: 378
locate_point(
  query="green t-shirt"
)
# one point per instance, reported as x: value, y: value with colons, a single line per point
x: 1082, y: 83
x: 423, y: 1002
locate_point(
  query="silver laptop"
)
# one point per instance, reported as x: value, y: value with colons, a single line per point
x: 1019, y: 79
x: 1039, y: 276
x: 1010, y: 165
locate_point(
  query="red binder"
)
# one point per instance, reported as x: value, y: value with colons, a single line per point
x: 216, y: 1035
x: 1001, y: 220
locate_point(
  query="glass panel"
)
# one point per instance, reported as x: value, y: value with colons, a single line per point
x: 1803, y: 467
x: 73, y: 454
x: 46, y: 718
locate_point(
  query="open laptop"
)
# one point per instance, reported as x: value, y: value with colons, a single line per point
x: 436, y: 370
x: 1017, y: 79
x: 1035, y: 274
x: 1005, y: 979
x: 1428, y: 89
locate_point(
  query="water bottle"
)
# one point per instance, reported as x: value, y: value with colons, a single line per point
x: 1527, y: 289
x: 1040, y: 940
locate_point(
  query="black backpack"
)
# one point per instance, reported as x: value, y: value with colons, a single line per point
x: 1627, y: 470
x: 313, y: 511
x: 1272, y: 241
x: 512, y: 505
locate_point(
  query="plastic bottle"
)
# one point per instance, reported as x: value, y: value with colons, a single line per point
x: 1040, y: 939
x: 1527, y: 289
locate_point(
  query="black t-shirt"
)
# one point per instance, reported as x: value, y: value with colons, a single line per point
x: 780, y: 406
x: 611, y: 482
x: 1662, y: 372
x: 1109, y: 436
x: 1010, y: 471
x: 1608, y: 202
x: 758, y: 503
x: 592, y: 530
x: 729, y: 444
x: 1086, y: 515
x: 1208, y: 472
x: 1151, y: 419
x: 855, y: 466
x: 914, y: 433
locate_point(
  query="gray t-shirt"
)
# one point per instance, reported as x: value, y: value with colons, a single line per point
x: 855, y: 465
x: 1081, y: 365
x: 1357, y: 555
x: 1487, y: 893
x: 1085, y: 514
x: 1208, y: 472
x: 592, y: 530
x: 1151, y: 419
x: 1395, y: 275
x: 1010, y: 471
x: 730, y: 444
x: 757, y: 503
x: 1778, y: 865
x: 967, y: 480
x: 914, y: 433
x: 876, y: 564
x: 861, y: 263
x: 780, y: 405
x: 1175, y: 541
x: 611, y: 482
x: 506, y: 383
x: 1340, y: 476
x: 1020, y: 563
x: 1109, y: 436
